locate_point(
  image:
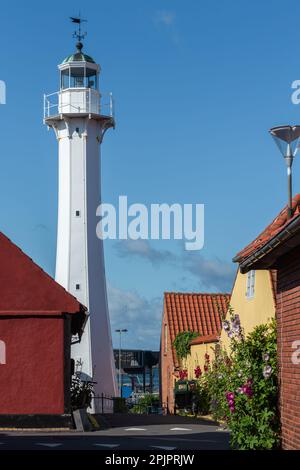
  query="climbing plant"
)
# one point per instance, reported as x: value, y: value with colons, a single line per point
x: 182, y: 343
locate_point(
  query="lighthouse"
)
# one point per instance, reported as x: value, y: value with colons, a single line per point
x: 79, y: 121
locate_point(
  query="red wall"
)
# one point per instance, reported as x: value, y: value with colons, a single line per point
x: 32, y: 380
x: 167, y: 369
x: 288, y: 331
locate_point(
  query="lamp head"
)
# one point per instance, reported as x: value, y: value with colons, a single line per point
x: 287, y: 139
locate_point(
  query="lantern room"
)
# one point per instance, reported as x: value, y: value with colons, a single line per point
x: 79, y: 84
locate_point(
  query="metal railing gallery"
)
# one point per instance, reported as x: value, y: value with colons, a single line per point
x: 60, y: 102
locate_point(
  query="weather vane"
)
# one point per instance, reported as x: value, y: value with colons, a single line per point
x: 78, y: 33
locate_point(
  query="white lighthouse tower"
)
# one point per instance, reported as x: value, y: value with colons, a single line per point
x: 75, y: 114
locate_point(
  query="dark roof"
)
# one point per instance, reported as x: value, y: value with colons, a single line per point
x: 272, y: 232
x: 25, y: 289
x: 78, y: 57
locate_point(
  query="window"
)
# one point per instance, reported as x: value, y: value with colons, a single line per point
x: 77, y: 77
x: 2, y: 352
x: 250, y: 284
x: 65, y: 79
x: 91, y: 79
x: 77, y: 286
x: 165, y: 339
x: 77, y: 213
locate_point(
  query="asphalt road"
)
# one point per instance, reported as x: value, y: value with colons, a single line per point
x: 125, y: 432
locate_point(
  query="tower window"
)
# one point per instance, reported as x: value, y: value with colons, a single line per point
x: 77, y: 77
x: 77, y: 286
x: 250, y: 284
x: 65, y: 79
x: 77, y: 213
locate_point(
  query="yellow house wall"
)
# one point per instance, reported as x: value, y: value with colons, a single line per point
x: 196, y: 358
x: 254, y: 311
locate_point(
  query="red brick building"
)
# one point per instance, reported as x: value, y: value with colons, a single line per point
x: 199, y: 313
x: 278, y: 247
x: 37, y: 320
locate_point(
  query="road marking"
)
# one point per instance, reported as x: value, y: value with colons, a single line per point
x: 135, y: 429
x: 180, y: 429
x: 163, y: 448
x: 47, y: 445
x: 107, y: 445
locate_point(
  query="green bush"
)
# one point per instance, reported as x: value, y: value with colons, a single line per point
x: 243, y: 386
x: 182, y: 343
x: 145, y: 403
x: 203, y: 396
x: 81, y: 393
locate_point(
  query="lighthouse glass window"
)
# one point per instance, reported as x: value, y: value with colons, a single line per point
x: 91, y: 79
x: 65, y: 79
x: 77, y: 77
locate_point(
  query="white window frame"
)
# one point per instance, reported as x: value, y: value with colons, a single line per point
x: 250, y: 284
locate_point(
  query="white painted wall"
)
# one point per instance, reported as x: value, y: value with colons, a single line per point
x: 80, y: 257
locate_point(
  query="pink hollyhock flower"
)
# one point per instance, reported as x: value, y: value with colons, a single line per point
x: 183, y: 374
x: 198, y: 372
x: 230, y: 396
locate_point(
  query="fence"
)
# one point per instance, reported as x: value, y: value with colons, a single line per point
x: 78, y: 100
x: 104, y: 404
x: 138, y: 407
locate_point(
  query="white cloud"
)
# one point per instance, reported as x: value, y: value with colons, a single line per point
x: 143, y: 249
x: 165, y: 17
x: 213, y: 274
x: 140, y: 316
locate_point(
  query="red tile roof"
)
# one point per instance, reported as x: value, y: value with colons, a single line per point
x: 273, y: 229
x: 201, y: 313
x: 25, y: 289
x: 205, y: 339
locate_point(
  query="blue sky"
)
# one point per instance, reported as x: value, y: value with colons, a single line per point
x: 197, y: 85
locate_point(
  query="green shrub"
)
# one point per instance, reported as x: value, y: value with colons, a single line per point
x: 81, y: 393
x: 203, y: 396
x: 145, y: 403
x: 182, y: 343
x: 243, y: 386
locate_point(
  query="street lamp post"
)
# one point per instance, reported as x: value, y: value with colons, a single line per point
x: 287, y: 140
x: 120, y: 331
